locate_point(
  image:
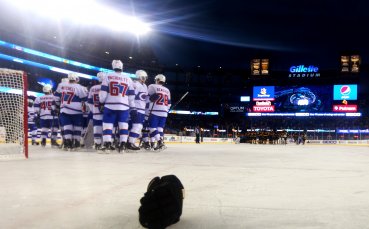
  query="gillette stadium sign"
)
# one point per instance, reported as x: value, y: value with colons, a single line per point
x: 301, y: 71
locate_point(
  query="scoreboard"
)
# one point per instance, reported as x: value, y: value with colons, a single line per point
x: 306, y: 101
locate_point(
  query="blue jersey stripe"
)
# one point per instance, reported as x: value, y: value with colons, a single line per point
x: 131, y: 92
x: 104, y: 88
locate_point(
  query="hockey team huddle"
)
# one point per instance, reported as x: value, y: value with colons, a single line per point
x: 122, y: 111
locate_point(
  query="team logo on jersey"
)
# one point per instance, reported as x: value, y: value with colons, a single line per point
x: 141, y: 96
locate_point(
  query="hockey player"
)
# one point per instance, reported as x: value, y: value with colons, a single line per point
x: 72, y: 96
x: 138, y: 113
x: 86, y: 117
x: 57, y: 98
x: 94, y: 104
x: 160, y: 102
x: 31, y: 121
x: 45, y: 107
x: 117, y: 97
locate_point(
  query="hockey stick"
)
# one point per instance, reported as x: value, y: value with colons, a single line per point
x: 148, y: 115
x: 183, y: 96
x: 152, y: 107
x: 171, y: 108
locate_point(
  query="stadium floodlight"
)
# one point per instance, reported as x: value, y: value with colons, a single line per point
x: 56, y: 58
x: 84, y: 12
x: 19, y: 91
x: 43, y: 66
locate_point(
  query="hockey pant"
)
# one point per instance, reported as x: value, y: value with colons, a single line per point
x: 55, y: 128
x: 85, y: 121
x: 98, y: 122
x: 33, y: 130
x: 109, y: 118
x: 137, y: 124
x: 72, y: 126
x: 145, y: 134
x: 156, y: 127
x: 46, y: 126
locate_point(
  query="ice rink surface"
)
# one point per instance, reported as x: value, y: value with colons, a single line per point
x: 227, y: 186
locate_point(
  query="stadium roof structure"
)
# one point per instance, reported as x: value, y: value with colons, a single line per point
x: 210, y: 34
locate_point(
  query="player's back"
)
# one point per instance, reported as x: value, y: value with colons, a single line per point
x: 45, y: 105
x: 57, y: 93
x: 31, y: 115
x: 162, y: 104
x: 115, y: 90
x: 140, y: 96
x: 71, y: 97
x: 93, y: 99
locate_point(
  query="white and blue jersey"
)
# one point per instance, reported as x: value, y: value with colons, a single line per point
x: 118, y: 96
x: 93, y: 101
x: 45, y: 106
x: 31, y: 115
x: 71, y: 97
x: 31, y: 122
x: 57, y: 94
x: 140, y: 103
x: 94, y: 104
x: 117, y: 92
x: 161, y: 106
x: 140, y: 96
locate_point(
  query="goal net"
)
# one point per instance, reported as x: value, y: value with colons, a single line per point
x: 13, y: 114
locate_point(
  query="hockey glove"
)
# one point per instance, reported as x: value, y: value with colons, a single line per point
x: 162, y: 204
x: 101, y: 107
x: 37, y: 120
x: 53, y: 113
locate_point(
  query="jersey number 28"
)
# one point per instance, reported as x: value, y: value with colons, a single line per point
x: 162, y: 100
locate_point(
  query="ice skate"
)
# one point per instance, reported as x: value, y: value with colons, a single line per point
x: 43, y: 142
x: 107, y: 147
x: 132, y: 146
x: 54, y: 143
x: 159, y: 146
x: 146, y: 146
x: 97, y: 146
x: 122, y: 147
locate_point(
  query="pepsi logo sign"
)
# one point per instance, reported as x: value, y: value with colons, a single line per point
x: 345, y: 90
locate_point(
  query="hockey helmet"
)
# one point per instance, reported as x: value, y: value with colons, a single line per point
x: 117, y: 64
x: 100, y: 76
x: 141, y: 75
x: 160, y: 78
x: 47, y: 88
x: 72, y: 76
x: 30, y: 102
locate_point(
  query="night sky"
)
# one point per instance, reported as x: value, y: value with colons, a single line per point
x: 230, y: 33
x: 214, y: 33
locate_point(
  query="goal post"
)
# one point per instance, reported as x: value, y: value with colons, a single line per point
x: 13, y: 114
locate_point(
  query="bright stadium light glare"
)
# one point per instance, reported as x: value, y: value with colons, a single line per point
x: 87, y: 12
x: 119, y: 22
